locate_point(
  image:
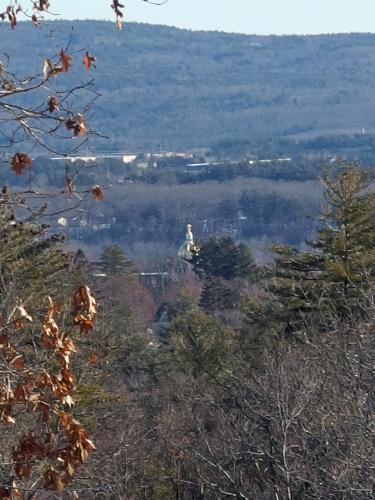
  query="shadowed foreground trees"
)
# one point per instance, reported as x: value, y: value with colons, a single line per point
x: 289, y: 416
x: 216, y: 420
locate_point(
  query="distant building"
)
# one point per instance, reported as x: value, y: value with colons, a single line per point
x: 73, y: 159
x: 129, y: 158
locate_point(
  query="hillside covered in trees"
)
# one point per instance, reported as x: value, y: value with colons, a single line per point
x: 168, y: 88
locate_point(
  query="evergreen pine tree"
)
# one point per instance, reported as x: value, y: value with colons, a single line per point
x: 113, y: 261
x: 225, y: 267
x: 222, y: 257
x: 330, y: 278
x: 32, y: 266
x: 219, y: 295
x: 201, y: 345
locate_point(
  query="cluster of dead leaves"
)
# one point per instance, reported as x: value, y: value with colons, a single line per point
x: 77, y: 124
x: 50, y: 69
x: 98, y: 193
x: 84, y: 309
x: 53, y: 105
x: 88, y: 61
x: 62, y: 66
x: 96, y: 190
x: 8, y: 86
x: 117, y: 6
x: 40, y: 6
x: 21, y: 162
x: 45, y: 394
x: 11, y: 12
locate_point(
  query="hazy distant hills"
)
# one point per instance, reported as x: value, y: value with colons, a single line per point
x: 175, y: 88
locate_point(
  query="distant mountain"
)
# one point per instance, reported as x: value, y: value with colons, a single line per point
x: 165, y: 87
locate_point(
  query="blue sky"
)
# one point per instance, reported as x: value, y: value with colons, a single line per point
x: 243, y: 16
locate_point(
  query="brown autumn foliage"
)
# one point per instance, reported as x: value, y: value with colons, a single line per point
x: 76, y: 124
x: 21, y: 162
x: 43, y: 445
x: 34, y: 122
x: 65, y: 60
x: 88, y: 61
x: 98, y: 193
x: 53, y: 104
x: 117, y: 7
x: 15, y: 10
x: 53, y: 445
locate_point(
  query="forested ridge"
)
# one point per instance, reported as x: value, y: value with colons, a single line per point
x: 169, y: 88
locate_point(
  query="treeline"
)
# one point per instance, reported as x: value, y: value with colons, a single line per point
x: 351, y: 145
x: 146, y: 209
x: 150, y: 219
x: 175, y: 170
